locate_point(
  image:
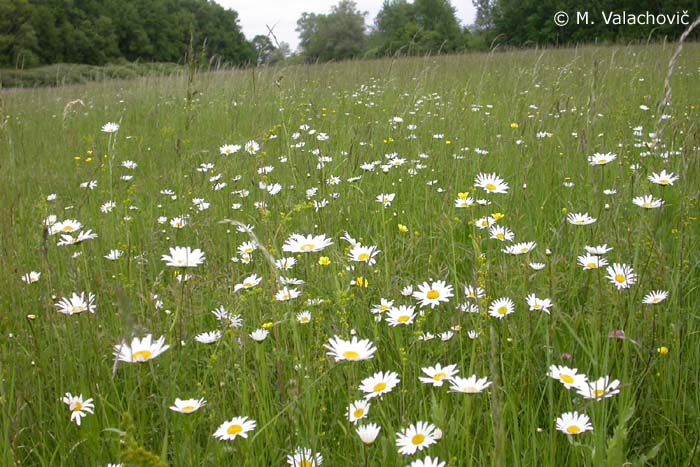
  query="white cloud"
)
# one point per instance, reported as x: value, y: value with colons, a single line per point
x: 282, y: 15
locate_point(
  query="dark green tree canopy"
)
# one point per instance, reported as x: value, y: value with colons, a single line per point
x: 96, y: 32
x: 338, y: 35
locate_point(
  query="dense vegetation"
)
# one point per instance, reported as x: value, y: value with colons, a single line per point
x: 95, y: 32
x: 392, y: 153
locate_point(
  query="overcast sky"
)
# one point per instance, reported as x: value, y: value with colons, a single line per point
x: 282, y: 15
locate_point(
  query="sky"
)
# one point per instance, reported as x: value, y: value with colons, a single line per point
x: 282, y: 15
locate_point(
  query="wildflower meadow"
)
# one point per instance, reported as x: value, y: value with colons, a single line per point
x: 488, y: 259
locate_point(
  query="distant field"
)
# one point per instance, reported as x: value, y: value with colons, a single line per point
x: 425, y: 181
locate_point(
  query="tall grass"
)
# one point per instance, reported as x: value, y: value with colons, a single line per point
x: 587, y: 100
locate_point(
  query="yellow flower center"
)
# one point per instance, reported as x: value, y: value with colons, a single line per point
x: 592, y: 265
x: 537, y: 306
x: 500, y: 236
x: 305, y: 463
x: 403, y: 319
x: 304, y: 319
x: 78, y: 407
x: 490, y: 187
x: 471, y: 390
x: 439, y: 376
x: 351, y: 355
x: 364, y: 257
x: 418, y: 439
x: 141, y: 356
x: 655, y: 300
x: 307, y: 247
x: 619, y: 278
x: 358, y: 413
x: 68, y: 228
x: 646, y: 205
x: 524, y: 249
x: 433, y: 294
x: 503, y: 310
x: 379, y: 387
x: 188, y: 408
x: 573, y: 429
x: 664, y: 181
x: 580, y: 222
x: 599, y: 392
x: 234, y: 429
x: 568, y: 379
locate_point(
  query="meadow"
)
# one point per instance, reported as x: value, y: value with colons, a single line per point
x: 371, y: 235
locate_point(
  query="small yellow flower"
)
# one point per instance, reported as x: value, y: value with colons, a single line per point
x: 267, y: 325
x: 448, y: 142
x: 324, y: 261
x: 402, y: 228
x: 663, y: 350
x: 498, y: 216
x: 514, y: 125
x: 89, y: 159
x: 77, y: 158
x: 463, y: 195
x: 89, y: 152
x: 361, y: 282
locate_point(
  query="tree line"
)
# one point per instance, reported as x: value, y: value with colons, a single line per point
x: 97, y: 32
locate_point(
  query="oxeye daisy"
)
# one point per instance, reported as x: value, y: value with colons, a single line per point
x: 647, y: 202
x: 427, y: 462
x: 416, y: 438
x: 401, y: 315
x: 304, y: 457
x: 140, y: 350
x: 286, y: 294
x: 569, y: 377
x: 304, y: 317
x: 592, y: 261
x: 353, y: 350
x: 470, y: 385
x: 491, y: 183
x: 474, y: 292
x: 621, y: 276
x: 228, y: 149
x: 363, y: 254
x: 657, y: 296
x: 297, y: 243
x: 663, y: 178
x: 285, y: 264
x: 433, y: 294
x: 379, y: 384
x: 499, y: 232
x: 259, y: 335
x: 386, y: 199
x: 601, y: 158
x: 77, y: 304
x: 31, y: 277
x: 438, y: 374
x: 110, y: 127
x: 184, y: 257
x: 208, y: 337
x: 384, y: 306
x: 237, y: 426
x: 368, y: 433
x: 484, y: 222
x: 501, y: 308
x: 78, y: 407
x: 598, y: 250
x: 187, y: 406
x: 573, y: 423
x: 539, y: 304
x: 599, y: 389
x: 580, y: 219
x: 247, y: 283
x: 358, y: 410
x: 520, y: 248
